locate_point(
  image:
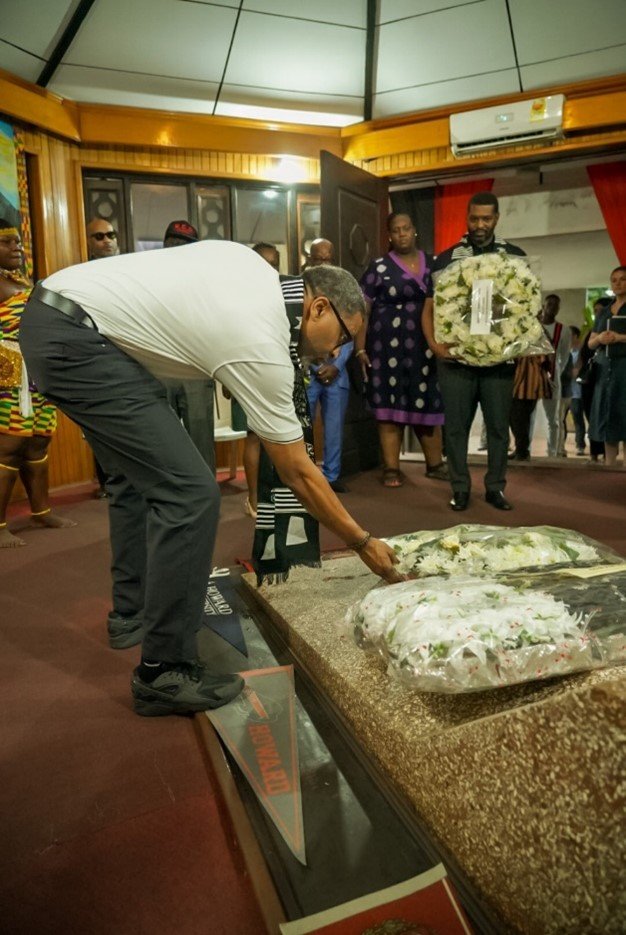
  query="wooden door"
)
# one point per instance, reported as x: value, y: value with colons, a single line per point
x: 354, y: 206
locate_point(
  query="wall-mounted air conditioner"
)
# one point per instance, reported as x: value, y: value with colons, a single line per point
x: 507, y: 124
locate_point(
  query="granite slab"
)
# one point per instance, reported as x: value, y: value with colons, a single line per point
x: 523, y: 785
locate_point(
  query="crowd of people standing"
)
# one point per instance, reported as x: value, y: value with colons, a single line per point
x: 412, y: 380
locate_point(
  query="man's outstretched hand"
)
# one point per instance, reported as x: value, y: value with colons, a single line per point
x: 381, y: 559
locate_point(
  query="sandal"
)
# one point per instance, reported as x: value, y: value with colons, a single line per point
x: 392, y: 478
x: 438, y: 472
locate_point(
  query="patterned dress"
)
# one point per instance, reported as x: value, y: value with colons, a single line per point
x: 402, y: 385
x: 43, y: 419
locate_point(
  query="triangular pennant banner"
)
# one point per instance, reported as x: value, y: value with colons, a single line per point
x: 259, y: 730
x: 220, y: 609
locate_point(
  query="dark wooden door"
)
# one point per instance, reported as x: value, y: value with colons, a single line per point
x: 354, y: 206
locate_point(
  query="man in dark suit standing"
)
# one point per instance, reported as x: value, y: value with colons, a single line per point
x: 464, y: 386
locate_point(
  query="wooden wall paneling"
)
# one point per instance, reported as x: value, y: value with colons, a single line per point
x: 35, y: 196
x: 81, y: 225
x: 142, y: 129
x: 58, y: 226
x: 596, y: 110
x: 442, y: 162
x: 255, y: 166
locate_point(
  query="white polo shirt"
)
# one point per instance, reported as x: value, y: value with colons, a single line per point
x: 210, y: 308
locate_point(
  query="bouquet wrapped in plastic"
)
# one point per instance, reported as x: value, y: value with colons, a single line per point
x: 472, y: 628
x: 481, y: 550
x: 486, y: 308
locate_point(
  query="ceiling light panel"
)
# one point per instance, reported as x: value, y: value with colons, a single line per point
x: 272, y: 52
x: 20, y: 63
x: 352, y: 13
x: 404, y: 9
x: 159, y: 37
x: 544, y: 31
x: 33, y: 25
x: 464, y: 41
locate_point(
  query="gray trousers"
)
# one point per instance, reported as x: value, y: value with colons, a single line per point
x: 462, y: 388
x: 164, y: 503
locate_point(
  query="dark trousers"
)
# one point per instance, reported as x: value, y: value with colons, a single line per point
x: 596, y: 449
x: 521, y: 415
x: 578, y: 417
x: 192, y: 401
x: 462, y: 388
x: 164, y: 501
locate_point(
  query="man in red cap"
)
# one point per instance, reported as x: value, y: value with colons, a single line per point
x: 192, y: 400
x: 179, y: 233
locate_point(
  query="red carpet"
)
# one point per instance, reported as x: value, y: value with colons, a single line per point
x: 111, y: 824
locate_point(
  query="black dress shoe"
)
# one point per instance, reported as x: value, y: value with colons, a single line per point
x: 338, y: 487
x: 496, y: 498
x: 460, y: 500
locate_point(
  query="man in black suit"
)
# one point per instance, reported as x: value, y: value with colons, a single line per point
x: 464, y: 386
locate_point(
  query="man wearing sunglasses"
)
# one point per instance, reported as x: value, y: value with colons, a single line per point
x: 101, y: 239
x: 96, y: 339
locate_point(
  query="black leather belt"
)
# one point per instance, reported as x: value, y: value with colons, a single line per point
x: 72, y: 309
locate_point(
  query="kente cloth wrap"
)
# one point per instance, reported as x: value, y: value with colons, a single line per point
x: 43, y: 420
x: 285, y: 533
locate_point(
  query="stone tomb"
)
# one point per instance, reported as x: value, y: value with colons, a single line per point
x: 524, y: 786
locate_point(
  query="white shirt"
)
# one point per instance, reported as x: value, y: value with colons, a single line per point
x: 211, y: 308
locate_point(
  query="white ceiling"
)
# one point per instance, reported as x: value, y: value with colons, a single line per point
x: 260, y: 58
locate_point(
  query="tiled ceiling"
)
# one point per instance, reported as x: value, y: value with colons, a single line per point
x: 305, y: 61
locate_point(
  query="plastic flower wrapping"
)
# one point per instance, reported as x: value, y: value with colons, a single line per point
x: 480, y: 550
x: 486, y: 307
x: 471, y: 628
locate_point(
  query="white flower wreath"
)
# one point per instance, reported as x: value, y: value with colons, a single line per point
x: 511, y: 300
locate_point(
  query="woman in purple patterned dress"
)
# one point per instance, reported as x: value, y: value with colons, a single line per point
x: 397, y: 363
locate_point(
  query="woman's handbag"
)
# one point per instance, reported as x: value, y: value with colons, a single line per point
x: 586, y: 375
x: 10, y: 365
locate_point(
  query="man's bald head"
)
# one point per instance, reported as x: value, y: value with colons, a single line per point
x: 101, y: 239
x: 321, y: 252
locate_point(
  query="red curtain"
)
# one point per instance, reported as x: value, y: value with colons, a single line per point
x: 609, y: 184
x: 451, y: 210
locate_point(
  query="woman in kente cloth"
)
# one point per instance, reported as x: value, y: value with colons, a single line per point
x: 397, y: 363
x: 285, y: 534
x: 27, y: 420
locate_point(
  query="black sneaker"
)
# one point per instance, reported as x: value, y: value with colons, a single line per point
x: 183, y: 689
x: 124, y: 632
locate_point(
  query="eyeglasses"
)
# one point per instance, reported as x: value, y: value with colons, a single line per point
x: 346, y: 337
x: 100, y: 235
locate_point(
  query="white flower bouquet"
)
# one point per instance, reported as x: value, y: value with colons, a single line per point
x: 470, y: 634
x: 486, y: 308
x: 484, y: 550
